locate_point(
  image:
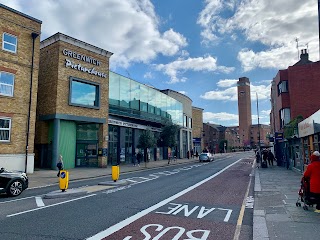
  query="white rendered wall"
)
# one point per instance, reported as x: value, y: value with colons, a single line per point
x: 17, y: 162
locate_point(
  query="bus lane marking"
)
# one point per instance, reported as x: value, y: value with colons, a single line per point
x: 109, y: 231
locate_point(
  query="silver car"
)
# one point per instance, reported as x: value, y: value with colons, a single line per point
x: 206, y: 157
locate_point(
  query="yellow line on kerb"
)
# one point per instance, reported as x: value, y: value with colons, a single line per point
x: 240, y: 218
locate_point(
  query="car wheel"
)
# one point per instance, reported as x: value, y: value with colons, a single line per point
x: 15, y: 188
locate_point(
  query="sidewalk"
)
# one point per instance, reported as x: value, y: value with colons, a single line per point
x: 44, y: 177
x: 276, y: 215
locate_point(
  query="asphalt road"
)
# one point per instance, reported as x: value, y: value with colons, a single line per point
x: 191, y: 201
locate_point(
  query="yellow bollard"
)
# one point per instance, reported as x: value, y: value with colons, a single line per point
x: 64, y: 180
x: 115, y: 172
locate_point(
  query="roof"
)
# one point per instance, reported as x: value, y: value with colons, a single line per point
x: 20, y: 13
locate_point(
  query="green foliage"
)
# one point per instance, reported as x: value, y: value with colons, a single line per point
x: 221, y: 145
x: 292, y: 127
x: 147, y: 140
x: 168, y: 136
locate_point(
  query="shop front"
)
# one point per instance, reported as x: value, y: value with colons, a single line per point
x: 309, y: 132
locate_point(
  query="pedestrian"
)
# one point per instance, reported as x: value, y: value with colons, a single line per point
x: 169, y: 157
x: 265, y: 156
x: 134, y: 159
x: 139, y: 156
x: 192, y: 154
x: 270, y: 158
x: 312, y: 174
x: 258, y: 159
x: 60, y: 165
x: 197, y: 154
x: 188, y: 154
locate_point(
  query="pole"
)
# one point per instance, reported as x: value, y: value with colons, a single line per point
x: 34, y: 36
x: 259, y: 124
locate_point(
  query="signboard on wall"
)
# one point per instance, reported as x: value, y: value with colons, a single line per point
x: 278, y: 136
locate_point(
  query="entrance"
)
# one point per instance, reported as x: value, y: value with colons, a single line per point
x: 87, y: 154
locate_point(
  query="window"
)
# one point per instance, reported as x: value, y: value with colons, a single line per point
x: 84, y: 93
x: 6, y: 83
x: 9, y: 42
x: 5, y: 127
x: 282, y: 87
x: 284, y: 117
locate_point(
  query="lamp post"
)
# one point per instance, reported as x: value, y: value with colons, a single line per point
x: 258, y: 125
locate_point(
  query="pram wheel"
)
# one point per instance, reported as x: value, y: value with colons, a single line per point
x: 305, y: 208
x: 298, y: 204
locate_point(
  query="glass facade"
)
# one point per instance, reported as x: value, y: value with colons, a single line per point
x: 126, y: 94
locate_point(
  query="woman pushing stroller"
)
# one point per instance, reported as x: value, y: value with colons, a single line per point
x: 312, y: 173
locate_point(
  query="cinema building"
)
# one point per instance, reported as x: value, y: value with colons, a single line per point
x: 72, y: 106
x: 19, y: 66
x: 135, y: 107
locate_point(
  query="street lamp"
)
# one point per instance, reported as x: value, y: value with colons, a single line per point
x: 258, y: 125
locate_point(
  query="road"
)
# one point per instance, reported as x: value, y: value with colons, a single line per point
x: 190, y: 201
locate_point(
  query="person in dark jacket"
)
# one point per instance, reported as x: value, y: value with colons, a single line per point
x: 312, y: 173
x: 59, y: 165
x: 270, y: 158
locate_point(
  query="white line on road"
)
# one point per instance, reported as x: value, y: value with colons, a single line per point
x: 39, y: 202
x: 122, y: 224
x: 36, y: 209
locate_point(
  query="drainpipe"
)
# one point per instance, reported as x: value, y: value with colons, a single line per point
x: 34, y: 36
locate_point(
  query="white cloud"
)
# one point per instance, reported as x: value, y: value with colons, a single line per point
x: 207, y: 64
x: 275, y: 24
x: 148, y: 75
x: 231, y: 93
x: 129, y: 29
x: 183, y: 92
x: 227, y: 82
x: 222, y: 118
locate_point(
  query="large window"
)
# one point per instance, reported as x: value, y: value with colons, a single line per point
x: 6, y: 83
x: 5, y: 127
x: 284, y: 117
x: 9, y: 42
x: 84, y: 93
x: 282, y: 87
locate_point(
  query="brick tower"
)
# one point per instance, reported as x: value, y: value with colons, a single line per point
x: 244, y: 110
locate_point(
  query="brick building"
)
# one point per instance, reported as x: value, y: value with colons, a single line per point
x: 244, y: 109
x: 197, y: 129
x: 294, y: 92
x: 19, y: 66
x: 264, y: 131
x: 73, y: 103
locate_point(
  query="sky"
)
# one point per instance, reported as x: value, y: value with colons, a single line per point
x: 196, y: 47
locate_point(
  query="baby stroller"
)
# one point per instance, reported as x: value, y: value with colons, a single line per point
x: 304, y: 195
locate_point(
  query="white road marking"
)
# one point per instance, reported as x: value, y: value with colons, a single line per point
x: 39, y: 202
x: 36, y: 209
x: 135, y: 217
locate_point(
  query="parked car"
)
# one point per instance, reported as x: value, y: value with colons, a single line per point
x: 206, y: 157
x: 12, y: 182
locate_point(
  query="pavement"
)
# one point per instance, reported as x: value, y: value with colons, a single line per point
x: 275, y: 214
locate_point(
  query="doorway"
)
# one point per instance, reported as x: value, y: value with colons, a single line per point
x: 87, y: 154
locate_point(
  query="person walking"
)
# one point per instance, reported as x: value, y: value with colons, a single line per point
x: 312, y: 174
x: 60, y: 165
x: 139, y: 156
x: 270, y: 158
x: 258, y: 159
x: 134, y: 159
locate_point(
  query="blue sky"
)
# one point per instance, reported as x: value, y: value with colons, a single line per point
x: 196, y: 47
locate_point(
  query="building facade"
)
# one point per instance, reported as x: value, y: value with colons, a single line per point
x: 185, y: 135
x: 244, y: 110
x: 260, y: 132
x: 19, y: 67
x: 197, y: 129
x: 133, y: 108
x: 292, y: 98
x: 72, y: 103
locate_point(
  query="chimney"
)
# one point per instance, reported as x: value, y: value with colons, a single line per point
x: 304, y: 55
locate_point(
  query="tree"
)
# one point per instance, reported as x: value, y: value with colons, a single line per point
x: 292, y: 127
x: 146, y: 140
x: 221, y: 145
x: 168, y: 136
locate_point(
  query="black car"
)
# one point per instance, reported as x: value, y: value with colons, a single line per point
x: 12, y: 182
